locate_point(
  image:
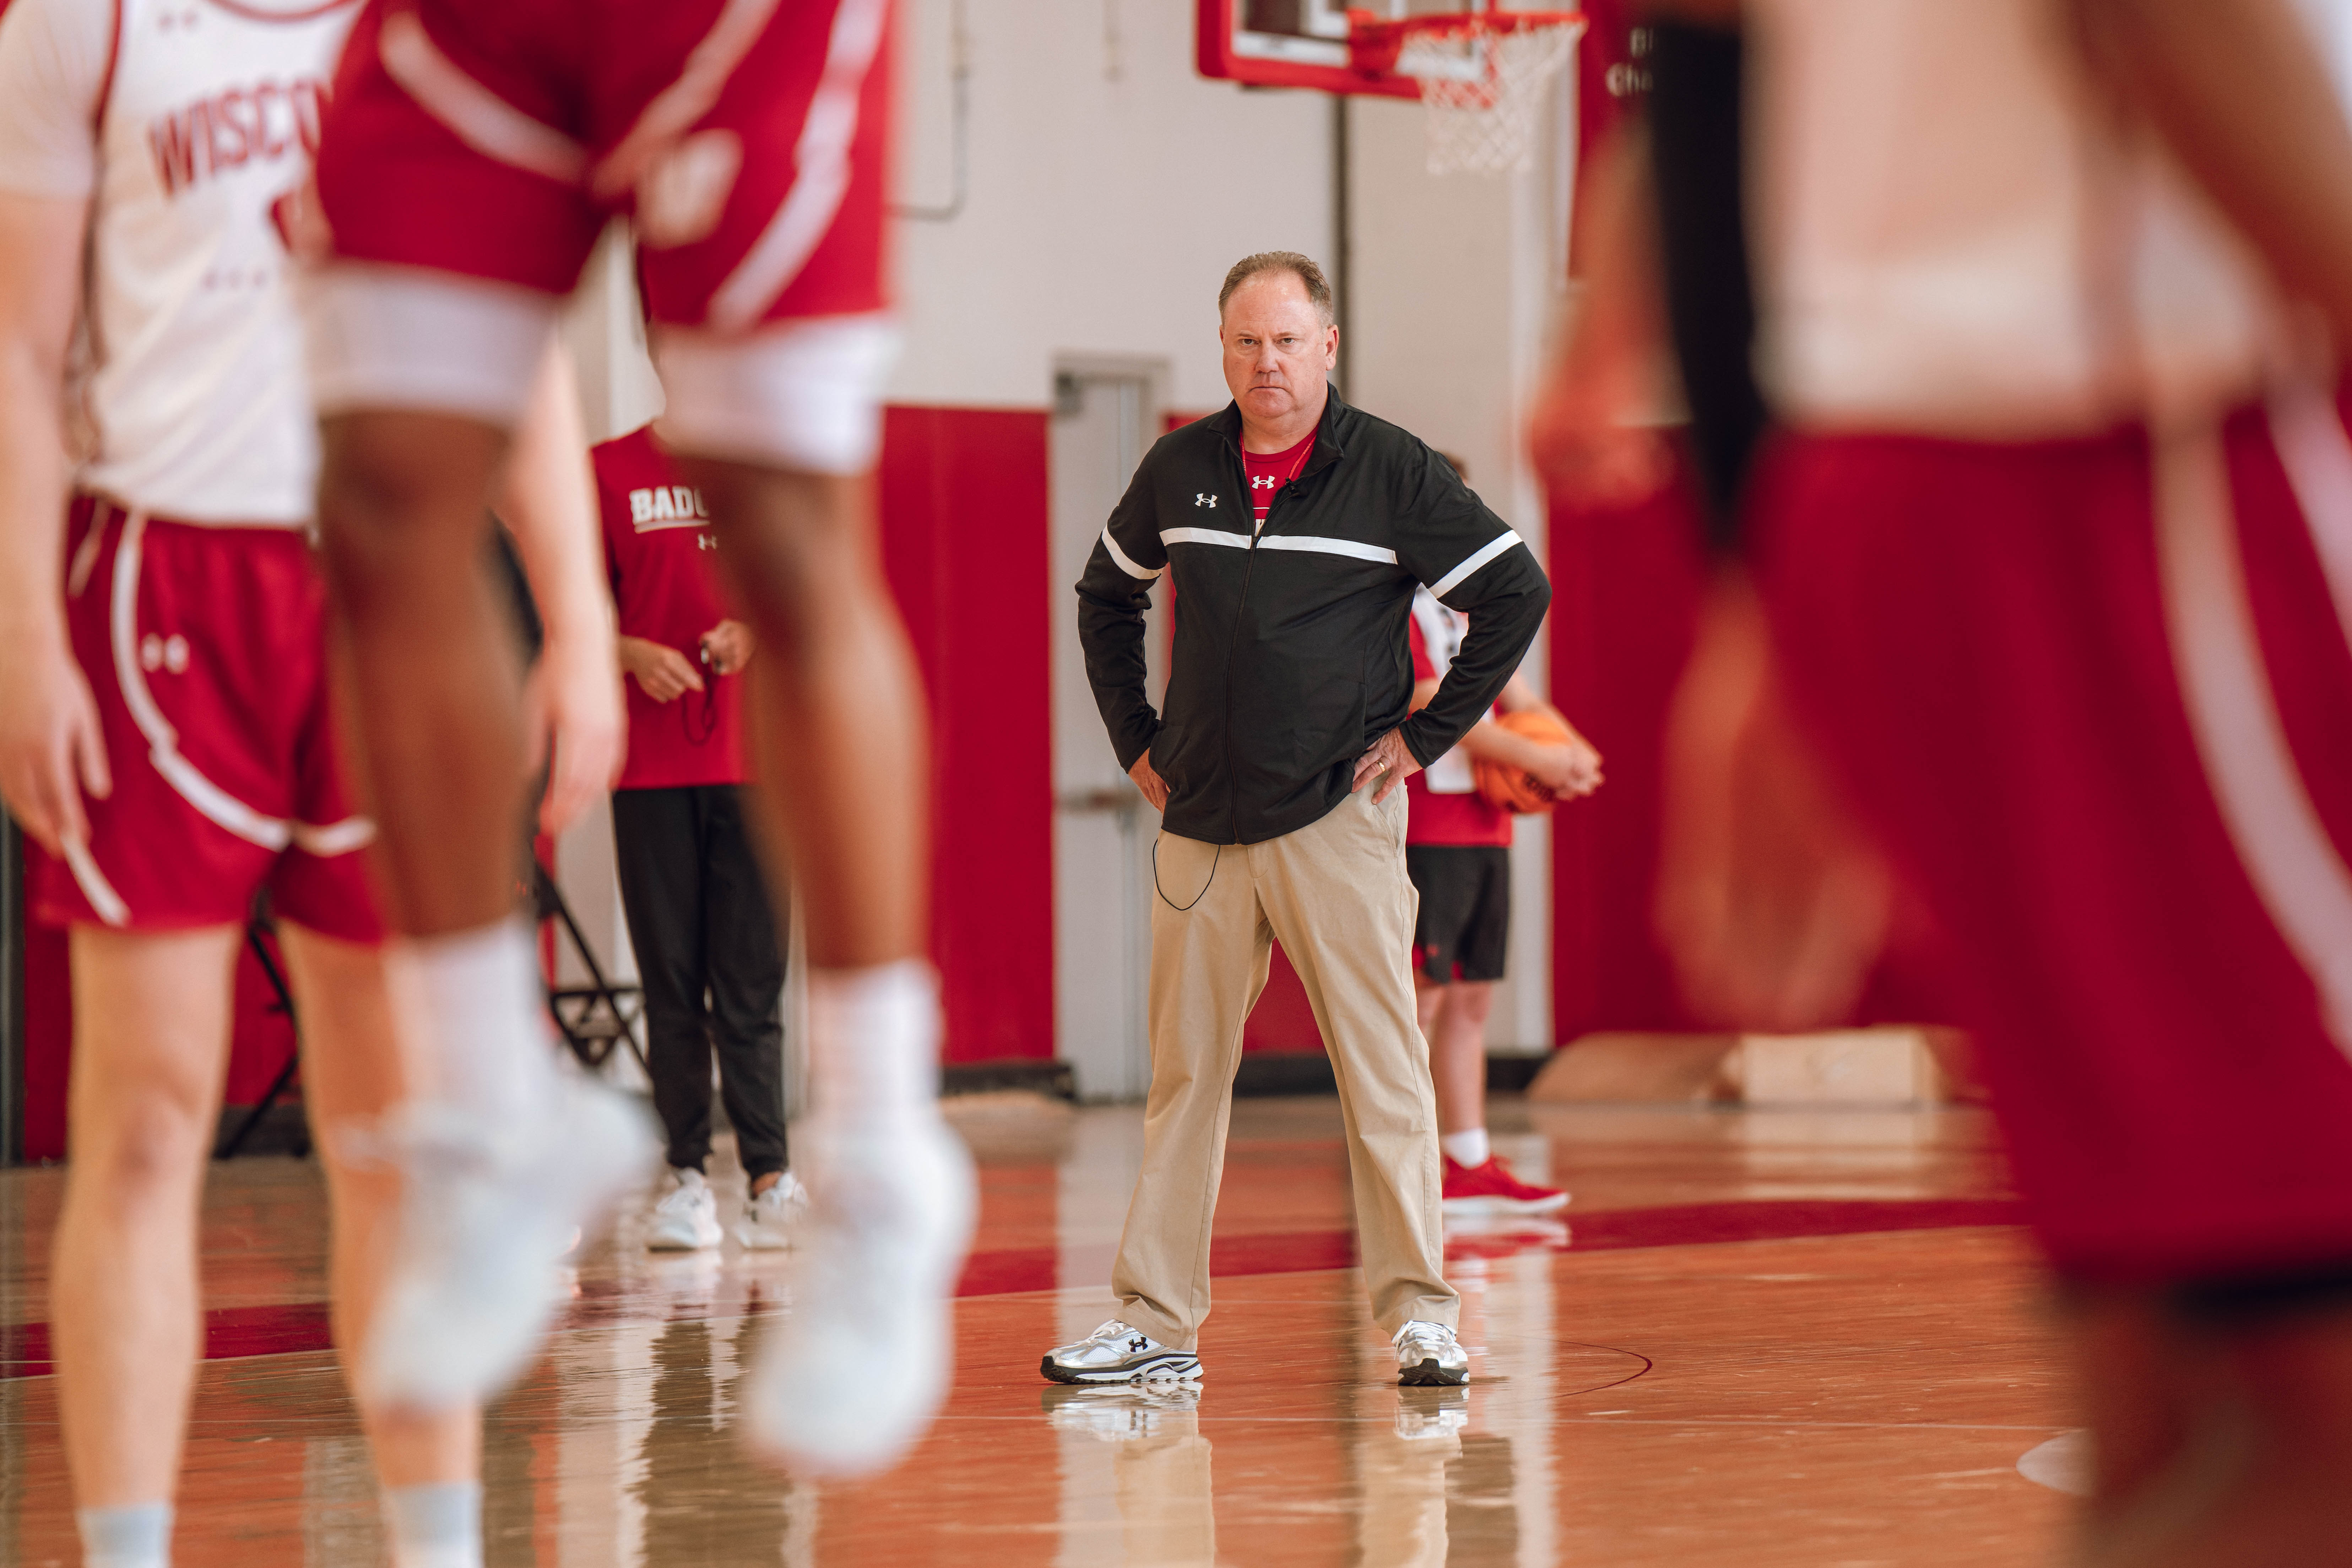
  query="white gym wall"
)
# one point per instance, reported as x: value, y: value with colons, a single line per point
x: 1080, y: 208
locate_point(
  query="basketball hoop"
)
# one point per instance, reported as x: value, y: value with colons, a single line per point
x: 1482, y: 75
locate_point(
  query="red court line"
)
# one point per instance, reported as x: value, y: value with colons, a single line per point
x: 229, y: 1333
x: 234, y: 1332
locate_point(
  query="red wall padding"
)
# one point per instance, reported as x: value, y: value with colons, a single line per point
x: 965, y: 532
x: 1283, y: 1019
x: 1626, y: 585
x: 1625, y: 591
x: 48, y: 1030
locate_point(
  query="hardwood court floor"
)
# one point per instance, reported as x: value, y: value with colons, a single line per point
x: 1761, y: 1339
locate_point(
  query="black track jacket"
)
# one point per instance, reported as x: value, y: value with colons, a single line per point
x: 1291, y: 657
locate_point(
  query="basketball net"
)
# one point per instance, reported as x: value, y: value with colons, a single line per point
x: 1482, y: 77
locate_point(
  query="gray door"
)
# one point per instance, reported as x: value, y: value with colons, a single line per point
x: 1103, y: 421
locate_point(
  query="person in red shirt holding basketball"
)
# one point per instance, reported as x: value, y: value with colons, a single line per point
x: 1457, y: 850
x: 698, y: 918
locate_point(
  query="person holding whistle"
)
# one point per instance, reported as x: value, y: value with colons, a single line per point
x: 708, y: 945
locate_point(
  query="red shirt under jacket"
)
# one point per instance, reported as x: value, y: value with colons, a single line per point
x: 1269, y: 471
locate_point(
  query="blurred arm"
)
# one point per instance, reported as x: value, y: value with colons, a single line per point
x: 547, y: 498
x: 1585, y: 434
x: 50, y: 746
x: 2236, y: 87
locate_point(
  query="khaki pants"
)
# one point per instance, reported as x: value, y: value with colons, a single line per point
x: 1337, y: 895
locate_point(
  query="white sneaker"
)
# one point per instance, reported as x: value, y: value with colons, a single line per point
x: 1116, y: 1352
x: 859, y: 1365
x: 686, y: 1219
x: 486, y: 1213
x: 768, y: 1218
x: 1428, y: 1355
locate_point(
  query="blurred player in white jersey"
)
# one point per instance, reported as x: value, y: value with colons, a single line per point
x: 165, y: 731
x: 472, y: 154
x: 2050, y: 555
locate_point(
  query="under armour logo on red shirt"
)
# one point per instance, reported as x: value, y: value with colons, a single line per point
x: 1262, y: 481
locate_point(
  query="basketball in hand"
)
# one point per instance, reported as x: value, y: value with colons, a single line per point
x: 1513, y: 789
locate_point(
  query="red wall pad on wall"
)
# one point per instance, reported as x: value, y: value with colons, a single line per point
x: 965, y: 529
x: 1625, y: 591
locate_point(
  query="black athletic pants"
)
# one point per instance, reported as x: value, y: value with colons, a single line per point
x: 700, y: 918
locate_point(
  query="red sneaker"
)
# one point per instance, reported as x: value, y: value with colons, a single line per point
x: 1490, y: 1189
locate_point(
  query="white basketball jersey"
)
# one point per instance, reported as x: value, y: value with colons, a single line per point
x: 192, y: 390
x: 1954, y: 236
x: 1442, y: 631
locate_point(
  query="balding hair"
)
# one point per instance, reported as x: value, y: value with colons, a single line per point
x: 1303, y: 267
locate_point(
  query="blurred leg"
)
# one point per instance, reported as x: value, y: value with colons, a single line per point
x: 840, y: 727
x: 353, y: 1072
x: 506, y: 1161
x: 840, y: 735
x: 2214, y: 1442
x: 428, y: 666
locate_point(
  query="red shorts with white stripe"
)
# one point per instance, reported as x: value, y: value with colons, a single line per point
x: 488, y: 141
x: 494, y: 138
x: 2097, y: 698
x: 206, y: 649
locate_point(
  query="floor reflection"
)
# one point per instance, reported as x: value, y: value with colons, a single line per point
x: 1161, y: 1482
x: 1657, y: 1380
x: 702, y: 1497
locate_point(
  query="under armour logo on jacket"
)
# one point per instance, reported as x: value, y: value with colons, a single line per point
x: 1199, y: 499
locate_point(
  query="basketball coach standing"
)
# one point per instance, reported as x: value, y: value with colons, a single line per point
x: 1296, y: 528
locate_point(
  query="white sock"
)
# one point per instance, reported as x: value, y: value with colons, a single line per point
x: 137, y: 1537
x: 481, y: 1019
x: 437, y: 1526
x: 1470, y: 1150
x: 874, y: 1043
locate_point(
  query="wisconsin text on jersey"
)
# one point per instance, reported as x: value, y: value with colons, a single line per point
x: 230, y: 129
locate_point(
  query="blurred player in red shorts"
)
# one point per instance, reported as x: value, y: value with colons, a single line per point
x: 2051, y: 554
x: 471, y: 155
x: 165, y: 727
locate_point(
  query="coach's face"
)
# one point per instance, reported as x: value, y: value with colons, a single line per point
x: 1278, y: 353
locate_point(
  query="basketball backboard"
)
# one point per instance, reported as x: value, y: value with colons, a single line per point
x: 1297, y: 43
